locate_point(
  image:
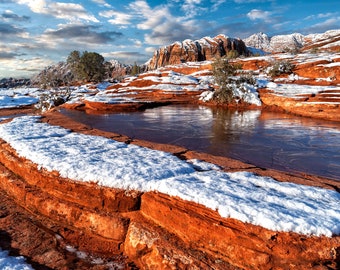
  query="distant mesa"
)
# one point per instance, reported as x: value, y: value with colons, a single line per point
x: 206, y: 48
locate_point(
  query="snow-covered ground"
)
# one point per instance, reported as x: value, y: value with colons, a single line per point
x: 13, y: 98
x: 13, y: 263
x: 240, y: 195
x: 168, y: 81
x: 297, y: 90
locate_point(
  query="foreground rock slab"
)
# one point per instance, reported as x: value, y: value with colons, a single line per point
x: 153, y: 230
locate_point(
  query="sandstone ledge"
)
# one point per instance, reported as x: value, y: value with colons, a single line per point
x: 157, y: 231
x: 312, y: 106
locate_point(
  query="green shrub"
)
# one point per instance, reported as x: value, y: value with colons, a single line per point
x: 222, y: 71
x: 232, y: 54
x: 88, y: 66
x: 228, y: 84
x: 280, y: 67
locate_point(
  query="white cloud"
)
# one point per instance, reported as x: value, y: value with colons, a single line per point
x: 330, y: 23
x: 136, y: 42
x: 23, y: 67
x: 78, y: 34
x: 71, y: 11
x: 192, y: 8
x: 150, y: 49
x: 119, y: 17
x: 151, y: 17
x: 68, y: 11
x: 216, y: 4
x: 126, y: 56
x: 256, y: 14
x: 165, y: 28
x: 37, y: 6
x: 251, y: 1
x: 320, y: 16
x: 102, y: 3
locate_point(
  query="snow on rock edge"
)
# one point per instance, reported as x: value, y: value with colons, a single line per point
x: 241, y: 195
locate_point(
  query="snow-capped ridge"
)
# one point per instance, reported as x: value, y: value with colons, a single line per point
x: 291, y: 42
x: 276, y: 43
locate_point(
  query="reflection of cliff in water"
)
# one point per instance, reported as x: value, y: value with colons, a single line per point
x: 272, y: 140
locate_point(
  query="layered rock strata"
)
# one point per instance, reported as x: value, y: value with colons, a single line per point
x: 323, y: 105
x: 157, y: 231
x: 195, y: 51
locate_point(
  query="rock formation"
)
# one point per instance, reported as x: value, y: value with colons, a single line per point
x: 152, y: 229
x: 199, y: 50
x: 279, y: 43
x: 293, y: 42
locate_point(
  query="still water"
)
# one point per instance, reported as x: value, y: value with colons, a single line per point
x: 265, y: 139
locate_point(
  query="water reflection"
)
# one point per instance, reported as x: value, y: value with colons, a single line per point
x: 265, y: 139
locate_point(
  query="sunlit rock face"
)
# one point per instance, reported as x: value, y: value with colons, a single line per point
x: 293, y: 42
x: 151, y: 229
x: 199, y: 50
x: 278, y: 43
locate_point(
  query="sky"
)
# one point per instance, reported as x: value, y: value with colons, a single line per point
x: 37, y: 33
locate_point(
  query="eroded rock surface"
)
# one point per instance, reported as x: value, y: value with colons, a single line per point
x: 153, y: 230
x: 198, y: 50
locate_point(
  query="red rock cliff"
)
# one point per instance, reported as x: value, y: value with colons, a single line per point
x: 199, y: 50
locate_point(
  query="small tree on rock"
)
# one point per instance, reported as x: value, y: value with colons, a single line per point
x: 280, y: 67
x: 135, y: 70
x: 222, y: 71
x: 73, y: 61
x: 88, y: 66
x: 92, y: 64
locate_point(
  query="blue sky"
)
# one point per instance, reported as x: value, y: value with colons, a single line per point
x: 37, y: 33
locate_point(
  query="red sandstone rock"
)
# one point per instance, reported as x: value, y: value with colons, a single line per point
x: 317, y: 69
x: 303, y: 107
x: 254, y: 64
x: 154, y: 230
x: 242, y: 245
x: 199, y: 50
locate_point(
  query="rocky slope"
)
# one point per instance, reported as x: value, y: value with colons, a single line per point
x: 196, y: 50
x: 278, y: 43
x: 294, y: 42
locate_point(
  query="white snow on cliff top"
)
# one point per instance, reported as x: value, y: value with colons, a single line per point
x: 241, y: 195
x: 280, y: 42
